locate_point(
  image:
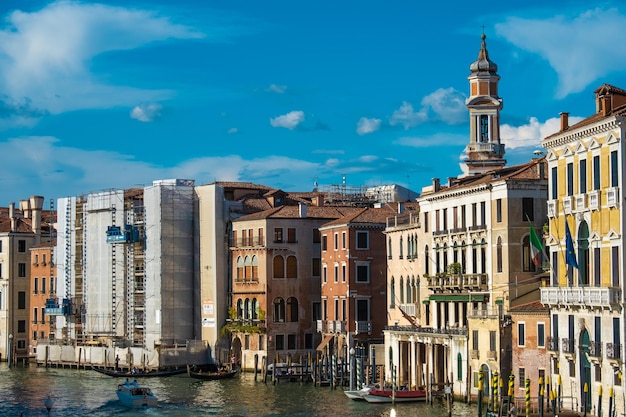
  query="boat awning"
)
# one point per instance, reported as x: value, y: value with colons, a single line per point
x: 457, y: 297
x: 325, y: 342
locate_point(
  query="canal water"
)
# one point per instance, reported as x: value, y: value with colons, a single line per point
x: 23, y: 391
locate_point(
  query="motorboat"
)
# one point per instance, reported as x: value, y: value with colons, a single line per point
x: 132, y: 394
x: 359, y: 395
x: 399, y: 396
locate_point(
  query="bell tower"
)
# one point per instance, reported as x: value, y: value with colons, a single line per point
x: 484, y: 151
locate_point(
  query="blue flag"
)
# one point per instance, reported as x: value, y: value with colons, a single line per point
x: 570, y: 256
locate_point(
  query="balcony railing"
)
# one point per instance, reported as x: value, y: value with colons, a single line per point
x: 612, y: 196
x: 553, y: 344
x: 585, y: 296
x: 595, y: 349
x: 410, y: 219
x: 461, y: 282
x: 581, y: 202
x: 567, y: 345
x: 567, y: 204
x: 479, y: 313
x: 450, y: 331
x: 614, y: 351
x: 408, y: 309
x: 336, y: 326
x: 553, y: 206
x: 594, y: 200
x: 363, y: 327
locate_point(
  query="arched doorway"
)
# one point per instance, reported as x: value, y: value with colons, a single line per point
x: 486, y: 380
x: 585, y: 370
x: 235, y: 352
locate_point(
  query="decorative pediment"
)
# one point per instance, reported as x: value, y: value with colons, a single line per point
x: 552, y: 156
x: 552, y: 241
x: 612, y: 139
x: 581, y: 148
x: 568, y: 152
x: 594, y: 144
x: 595, y: 236
x: 612, y: 235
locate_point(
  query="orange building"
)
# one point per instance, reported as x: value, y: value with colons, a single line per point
x: 43, y: 286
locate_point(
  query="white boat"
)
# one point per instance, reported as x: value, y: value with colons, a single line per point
x: 360, y: 394
x: 132, y: 394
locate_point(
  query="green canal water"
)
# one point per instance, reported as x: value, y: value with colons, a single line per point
x: 23, y: 391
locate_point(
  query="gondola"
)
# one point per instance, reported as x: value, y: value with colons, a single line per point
x: 210, y: 372
x: 139, y: 373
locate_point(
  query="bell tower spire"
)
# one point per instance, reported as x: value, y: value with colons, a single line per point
x: 484, y: 151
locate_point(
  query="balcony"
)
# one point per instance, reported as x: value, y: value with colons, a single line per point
x: 553, y: 344
x: 595, y: 349
x: 492, y: 355
x: 612, y: 197
x: 614, y: 351
x: 247, y: 242
x: 475, y: 354
x: 363, y: 327
x: 567, y: 345
x: 553, y: 207
x: 594, y: 200
x: 567, y: 205
x: 409, y: 309
x: 581, y: 296
x: 479, y: 313
x: 426, y: 331
x: 461, y: 282
x: 336, y: 326
x: 411, y: 219
x: 581, y: 202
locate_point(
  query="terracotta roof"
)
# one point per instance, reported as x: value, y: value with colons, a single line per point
x: 21, y: 226
x: 366, y: 215
x: 293, y: 212
x: 535, y: 306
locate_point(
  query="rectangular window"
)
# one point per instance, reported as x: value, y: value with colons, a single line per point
x: 362, y: 272
x: 324, y: 274
x: 51, y: 285
x: 521, y: 334
x: 21, y: 269
x: 528, y: 209
x: 445, y: 219
x: 336, y: 312
x: 474, y: 214
x: 21, y: 326
x: 582, y: 174
x: 278, y: 235
x: 43, y: 285
x: 499, y: 210
x: 614, y: 169
x: 463, y: 219
x: 596, y: 172
x: 325, y: 309
x: 362, y: 310
x: 570, y: 179
x: 280, y: 342
x: 362, y: 239
x: 291, y: 342
x: 344, y: 309
x: 36, y: 285
x: 541, y: 335
x: 492, y: 340
x: 21, y: 300
x: 324, y: 243
x: 316, y: 236
x: 474, y: 339
x: 316, y: 264
x: 596, y: 267
x: 35, y: 335
x: 291, y: 235
x: 336, y: 277
x: 426, y: 222
x: 336, y: 241
x: 483, y: 213
x: 343, y: 272
x: 308, y: 340
x: 555, y: 181
x: 455, y: 217
x: 246, y: 341
x: 437, y: 220
x: 522, y: 377
x: 35, y: 314
x: 0, y: 246
x: 317, y: 310
x: 36, y: 262
x: 21, y: 246
x: 343, y: 240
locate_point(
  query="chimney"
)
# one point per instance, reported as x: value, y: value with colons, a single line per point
x: 606, y: 105
x: 36, y: 205
x: 302, y: 210
x: 24, y: 207
x: 12, y: 215
x: 436, y: 184
x: 564, y: 121
x: 400, y: 207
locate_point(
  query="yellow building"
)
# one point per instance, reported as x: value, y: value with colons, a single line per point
x: 586, y: 247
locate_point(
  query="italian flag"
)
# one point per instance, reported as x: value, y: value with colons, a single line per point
x: 535, y: 246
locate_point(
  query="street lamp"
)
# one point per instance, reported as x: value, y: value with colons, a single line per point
x: 10, y: 353
x: 48, y: 403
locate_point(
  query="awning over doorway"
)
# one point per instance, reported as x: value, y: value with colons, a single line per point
x: 325, y: 342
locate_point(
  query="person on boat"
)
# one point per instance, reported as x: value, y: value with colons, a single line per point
x: 117, y: 362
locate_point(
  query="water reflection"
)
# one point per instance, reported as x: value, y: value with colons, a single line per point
x: 88, y: 393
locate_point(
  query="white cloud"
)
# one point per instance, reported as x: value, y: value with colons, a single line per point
x: 289, y: 121
x: 368, y: 158
x: 580, y: 48
x: 407, y: 117
x: 45, y: 55
x: 448, y: 104
x: 429, y: 141
x: 146, y: 112
x: 532, y: 133
x: 365, y: 125
x: 273, y: 88
x: 232, y: 131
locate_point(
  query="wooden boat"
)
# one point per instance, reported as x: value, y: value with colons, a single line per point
x: 360, y: 394
x: 138, y: 373
x: 402, y: 395
x: 210, y: 372
x: 132, y: 394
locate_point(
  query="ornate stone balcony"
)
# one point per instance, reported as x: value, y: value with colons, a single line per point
x: 460, y: 282
x: 581, y: 296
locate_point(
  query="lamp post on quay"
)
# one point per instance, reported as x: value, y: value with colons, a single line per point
x: 10, y: 352
x: 352, y: 369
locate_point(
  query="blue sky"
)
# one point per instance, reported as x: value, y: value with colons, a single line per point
x: 283, y: 93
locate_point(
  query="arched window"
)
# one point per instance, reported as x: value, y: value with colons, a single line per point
x: 583, y: 253
x: 292, y: 309
x: 459, y: 367
x: 499, y: 255
x: 248, y: 265
x: 389, y: 253
x: 463, y: 257
x: 426, y: 261
x: 445, y: 257
x: 415, y: 246
x: 392, y: 293
x: 279, y: 267
x: 240, y: 269
x: 474, y: 258
x: 292, y: 267
x: 483, y: 256
x: 437, y: 259
x: 247, y: 313
x: 401, y: 247
x: 401, y: 290
x: 255, y: 268
x: 239, y: 309
x: 279, y: 310
x: 408, y: 290
x: 255, y: 309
